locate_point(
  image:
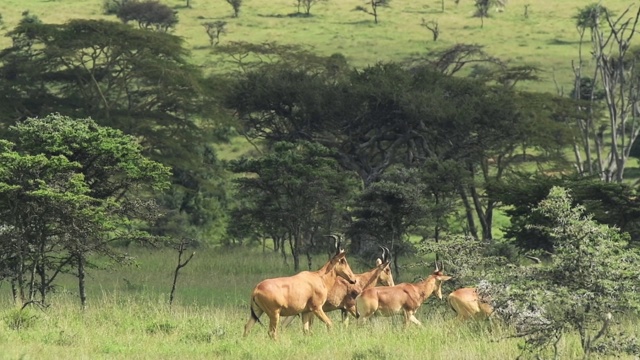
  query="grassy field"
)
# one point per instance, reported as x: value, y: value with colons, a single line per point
x: 547, y: 38
x: 128, y: 318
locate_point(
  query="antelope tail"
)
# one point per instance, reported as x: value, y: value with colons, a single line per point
x: 253, y: 313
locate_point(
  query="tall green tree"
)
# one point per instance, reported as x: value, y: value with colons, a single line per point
x: 392, y: 209
x: 612, y: 204
x: 69, y: 188
x: 134, y: 80
x: 385, y: 115
x: 590, y: 281
x: 296, y: 191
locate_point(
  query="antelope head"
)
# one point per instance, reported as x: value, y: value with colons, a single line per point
x: 342, y: 268
x: 439, y: 277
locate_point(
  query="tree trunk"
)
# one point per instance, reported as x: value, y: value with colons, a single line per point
x: 295, y: 248
x: 14, y: 292
x: 468, y: 212
x: 81, y: 282
x: 483, y: 216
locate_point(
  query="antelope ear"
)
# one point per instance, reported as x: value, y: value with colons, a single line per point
x: 443, y: 277
x: 339, y: 256
x: 378, y: 262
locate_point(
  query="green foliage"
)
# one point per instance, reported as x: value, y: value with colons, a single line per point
x: 297, y: 191
x: 235, y: 5
x: 591, y: 15
x: 161, y: 328
x: 591, y: 278
x: 137, y: 81
x: 20, y: 319
x: 68, y: 188
x: 148, y: 14
x: 111, y: 7
x: 609, y: 203
x: 468, y: 260
x: 404, y: 202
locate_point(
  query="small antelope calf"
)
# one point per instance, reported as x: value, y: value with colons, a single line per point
x: 467, y: 304
x: 403, y: 298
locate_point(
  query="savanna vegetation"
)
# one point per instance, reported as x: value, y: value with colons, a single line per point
x: 158, y: 159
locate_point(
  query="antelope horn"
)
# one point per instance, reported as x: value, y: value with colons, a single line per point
x: 387, y: 256
x: 436, y: 262
x: 533, y: 258
x: 335, y: 240
x: 442, y: 264
x: 382, y: 257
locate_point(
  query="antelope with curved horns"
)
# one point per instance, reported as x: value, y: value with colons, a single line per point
x: 343, y: 295
x: 303, y: 293
x: 467, y: 304
x: 403, y: 298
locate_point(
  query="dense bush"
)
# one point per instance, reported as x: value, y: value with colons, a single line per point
x: 148, y: 15
x: 590, y: 282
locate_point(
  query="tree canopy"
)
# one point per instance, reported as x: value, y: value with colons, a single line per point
x: 68, y: 189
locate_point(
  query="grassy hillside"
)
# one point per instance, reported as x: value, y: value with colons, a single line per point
x: 547, y: 38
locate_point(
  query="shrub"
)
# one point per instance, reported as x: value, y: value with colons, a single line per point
x: 20, y: 319
x: 148, y: 15
x: 590, y: 281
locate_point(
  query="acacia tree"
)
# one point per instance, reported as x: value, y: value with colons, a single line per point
x: 386, y: 115
x: 134, y: 80
x: 403, y: 202
x: 69, y: 188
x: 149, y: 14
x: 590, y: 281
x: 372, y: 8
x: 306, y: 5
x: 296, y: 190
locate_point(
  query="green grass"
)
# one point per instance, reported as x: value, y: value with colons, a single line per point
x: 131, y: 319
x: 546, y: 39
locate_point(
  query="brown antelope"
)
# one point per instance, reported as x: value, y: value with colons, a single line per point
x: 303, y: 293
x: 343, y: 295
x: 404, y: 298
x: 467, y: 304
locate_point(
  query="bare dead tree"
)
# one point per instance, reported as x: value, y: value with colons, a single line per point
x: 182, y: 247
x: 615, y: 73
x: 373, y: 8
x: 432, y: 25
x: 214, y: 29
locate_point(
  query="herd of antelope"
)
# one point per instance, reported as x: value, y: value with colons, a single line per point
x: 335, y: 287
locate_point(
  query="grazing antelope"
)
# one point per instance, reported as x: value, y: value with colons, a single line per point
x: 343, y: 295
x: 404, y: 298
x: 303, y: 293
x: 467, y: 304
